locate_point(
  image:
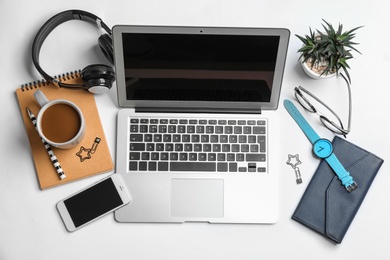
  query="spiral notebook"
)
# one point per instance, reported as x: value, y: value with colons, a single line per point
x: 92, y: 156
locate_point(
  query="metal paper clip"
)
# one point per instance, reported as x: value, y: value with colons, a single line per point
x: 86, y: 153
x: 293, y: 160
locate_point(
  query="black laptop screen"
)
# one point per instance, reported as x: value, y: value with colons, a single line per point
x: 199, y: 67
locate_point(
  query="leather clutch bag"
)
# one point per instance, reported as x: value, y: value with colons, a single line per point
x: 326, y: 206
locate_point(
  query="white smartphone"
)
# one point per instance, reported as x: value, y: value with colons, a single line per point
x: 93, y: 202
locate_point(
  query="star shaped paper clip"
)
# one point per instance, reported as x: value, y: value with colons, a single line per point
x: 86, y: 153
x: 293, y: 161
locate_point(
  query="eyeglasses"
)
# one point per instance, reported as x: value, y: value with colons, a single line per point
x: 302, y: 94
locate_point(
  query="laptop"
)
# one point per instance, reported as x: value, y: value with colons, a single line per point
x: 192, y: 144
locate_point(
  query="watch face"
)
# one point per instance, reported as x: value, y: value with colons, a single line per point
x: 323, y: 148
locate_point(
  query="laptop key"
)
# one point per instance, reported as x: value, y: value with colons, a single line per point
x: 214, y: 139
x: 143, y: 128
x: 202, y: 156
x: 133, y: 166
x: 235, y: 148
x: 134, y: 128
x: 164, y: 156
x: 171, y: 129
x: 240, y: 157
x: 254, y: 148
x: 193, y: 166
x: 162, y: 128
x: 152, y: 166
x: 157, y: 138
x: 137, y: 147
x: 232, y: 167
x: 259, y: 130
x: 181, y: 129
x: 159, y: 147
x: 145, y: 156
x: 191, y: 129
x: 221, y: 157
x: 197, y: 147
x: 142, y: 166
x: 242, y: 169
x: 148, y: 138
x: 174, y: 156
x: 136, y: 137
x: 155, y: 156
x: 163, y: 166
x: 150, y: 147
x: 193, y: 157
x: 153, y: 128
x: 238, y: 130
x: 210, y: 129
x: 188, y: 147
x: 183, y: 156
x: 222, y: 167
x: 186, y: 138
x: 261, y: 141
x: 134, y: 156
x: 255, y: 157
x: 211, y: 157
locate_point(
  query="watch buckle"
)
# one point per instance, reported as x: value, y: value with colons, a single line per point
x: 351, y: 187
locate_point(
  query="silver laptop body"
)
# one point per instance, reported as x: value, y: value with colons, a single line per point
x: 192, y: 144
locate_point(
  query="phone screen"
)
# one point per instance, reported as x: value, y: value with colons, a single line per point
x: 93, y: 202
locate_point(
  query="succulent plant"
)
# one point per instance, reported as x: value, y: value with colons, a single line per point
x: 330, y: 49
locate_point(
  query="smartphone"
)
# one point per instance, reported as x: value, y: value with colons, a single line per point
x: 93, y: 202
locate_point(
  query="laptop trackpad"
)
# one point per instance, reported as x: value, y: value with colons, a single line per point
x: 197, y: 198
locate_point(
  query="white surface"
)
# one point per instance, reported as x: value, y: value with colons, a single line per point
x: 30, y: 227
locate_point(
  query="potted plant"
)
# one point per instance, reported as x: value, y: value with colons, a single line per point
x: 324, y: 54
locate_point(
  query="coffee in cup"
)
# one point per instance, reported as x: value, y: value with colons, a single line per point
x: 60, y: 122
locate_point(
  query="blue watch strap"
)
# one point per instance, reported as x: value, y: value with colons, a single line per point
x: 344, y: 176
x: 301, y: 121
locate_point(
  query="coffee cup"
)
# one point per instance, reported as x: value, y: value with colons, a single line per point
x: 60, y: 122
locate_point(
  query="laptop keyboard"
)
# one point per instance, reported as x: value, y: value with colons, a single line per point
x: 201, y: 145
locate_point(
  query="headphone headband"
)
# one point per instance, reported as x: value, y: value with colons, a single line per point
x: 51, y: 24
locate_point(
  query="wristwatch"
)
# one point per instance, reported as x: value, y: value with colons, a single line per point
x: 322, y: 148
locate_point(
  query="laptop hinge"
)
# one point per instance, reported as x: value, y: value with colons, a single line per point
x: 197, y: 110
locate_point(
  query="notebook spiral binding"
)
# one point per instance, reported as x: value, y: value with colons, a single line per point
x: 40, y: 83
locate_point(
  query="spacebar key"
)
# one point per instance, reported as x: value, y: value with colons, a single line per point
x: 193, y: 166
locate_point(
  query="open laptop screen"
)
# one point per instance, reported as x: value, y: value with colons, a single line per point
x: 200, y: 67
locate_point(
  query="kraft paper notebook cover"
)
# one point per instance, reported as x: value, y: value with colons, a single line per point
x: 89, y: 157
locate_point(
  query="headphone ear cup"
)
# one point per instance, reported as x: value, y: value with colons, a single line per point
x: 98, y: 78
x: 105, y: 43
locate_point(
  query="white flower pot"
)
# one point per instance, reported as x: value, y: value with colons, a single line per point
x: 313, y: 74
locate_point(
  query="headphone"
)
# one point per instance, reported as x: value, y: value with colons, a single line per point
x: 98, y: 78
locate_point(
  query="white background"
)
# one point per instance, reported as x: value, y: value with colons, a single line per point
x: 30, y: 227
